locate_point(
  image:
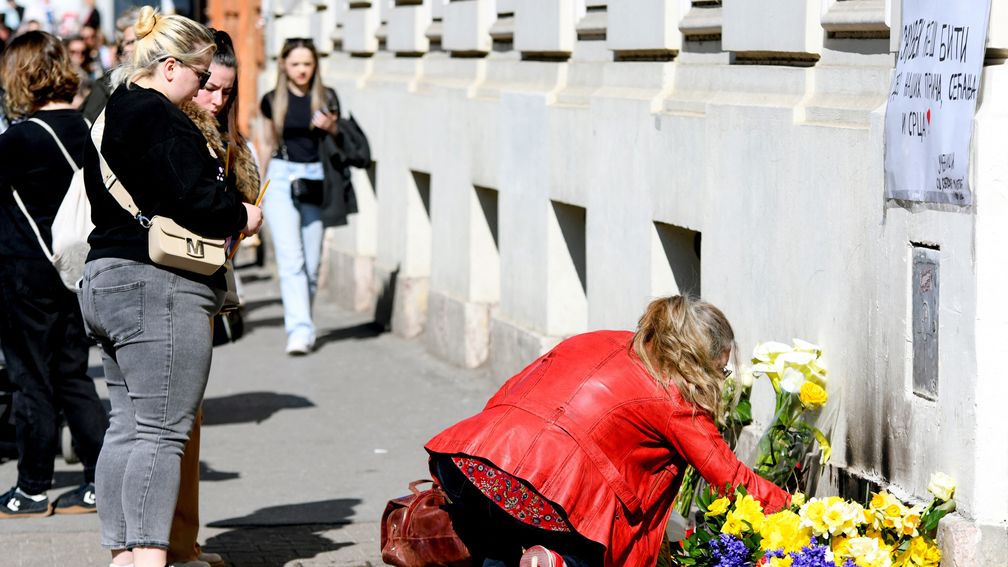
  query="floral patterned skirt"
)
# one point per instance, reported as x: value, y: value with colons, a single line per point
x: 512, y: 495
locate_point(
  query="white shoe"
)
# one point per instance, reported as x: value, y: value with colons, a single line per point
x: 297, y: 346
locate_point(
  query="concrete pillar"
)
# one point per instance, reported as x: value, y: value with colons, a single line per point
x: 703, y: 23
x: 989, y: 499
x: 503, y: 29
x: 361, y: 27
x: 351, y: 250
x: 407, y: 27
x: 547, y: 29
x: 645, y: 28
x: 987, y: 539
x: 467, y: 27
x: 773, y: 30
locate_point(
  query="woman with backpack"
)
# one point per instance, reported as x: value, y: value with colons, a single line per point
x: 42, y: 332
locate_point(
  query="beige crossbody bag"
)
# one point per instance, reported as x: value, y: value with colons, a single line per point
x: 169, y: 244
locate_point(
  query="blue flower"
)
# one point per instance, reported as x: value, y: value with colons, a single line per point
x: 812, y: 555
x: 730, y: 551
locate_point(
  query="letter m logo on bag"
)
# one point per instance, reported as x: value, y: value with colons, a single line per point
x: 194, y: 248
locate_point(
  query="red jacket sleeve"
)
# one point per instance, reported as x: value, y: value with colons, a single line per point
x: 697, y: 439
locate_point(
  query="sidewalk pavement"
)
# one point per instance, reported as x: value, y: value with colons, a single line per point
x: 299, y: 455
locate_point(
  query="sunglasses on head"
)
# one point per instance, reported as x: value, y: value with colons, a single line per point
x: 203, y: 74
x: 299, y: 42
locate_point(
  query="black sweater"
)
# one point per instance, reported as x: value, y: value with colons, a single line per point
x: 32, y: 163
x: 164, y: 163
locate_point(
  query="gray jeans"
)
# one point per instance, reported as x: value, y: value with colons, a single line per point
x: 154, y: 330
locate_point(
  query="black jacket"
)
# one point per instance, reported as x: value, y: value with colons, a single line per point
x: 164, y: 163
x: 349, y: 148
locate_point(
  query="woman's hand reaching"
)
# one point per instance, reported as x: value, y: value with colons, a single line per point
x: 255, y: 219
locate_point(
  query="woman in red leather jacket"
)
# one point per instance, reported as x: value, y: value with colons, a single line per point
x: 577, y: 459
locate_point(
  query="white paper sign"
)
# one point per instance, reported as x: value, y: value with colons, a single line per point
x: 932, y: 100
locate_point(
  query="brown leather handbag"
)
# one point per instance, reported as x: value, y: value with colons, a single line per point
x: 416, y: 531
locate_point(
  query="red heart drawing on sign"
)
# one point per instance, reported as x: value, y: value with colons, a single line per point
x: 929, y: 116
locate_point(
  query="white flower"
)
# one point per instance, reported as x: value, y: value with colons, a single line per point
x: 805, y: 346
x: 768, y: 351
x: 792, y: 380
x: 746, y: 378
x: 795, y: 358
x: 942, y: 485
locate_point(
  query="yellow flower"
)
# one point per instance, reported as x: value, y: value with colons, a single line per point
x: 887, y: 511
x: 812, y: 395
x: 798, y: 499
x: 868, y: 552
x: 842, y: 517
x: 910, y: 521
x: 783, y: 531
x: 920, y: 553
x: 812, y: 516
x: 747, y: 516
x: 942, y: 486
x: 718, y: 507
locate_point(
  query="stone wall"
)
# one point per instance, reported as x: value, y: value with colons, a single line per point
x: 544, y: 168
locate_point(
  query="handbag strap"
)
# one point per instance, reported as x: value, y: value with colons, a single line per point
x: 109, y: 179
x: 34, y: 227
x: 413, y: 485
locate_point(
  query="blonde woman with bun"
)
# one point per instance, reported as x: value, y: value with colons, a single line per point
x: 577, y: 459
x: 153, y: 322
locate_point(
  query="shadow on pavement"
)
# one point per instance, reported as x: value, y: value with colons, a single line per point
x: 362, y: 331
x: 252, y: 325
x: 249, y: 407
x: 250, y: 306
x: 210, y: 474
x: 279, y: 534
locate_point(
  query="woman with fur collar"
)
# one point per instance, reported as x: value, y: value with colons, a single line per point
x: 213, y: 110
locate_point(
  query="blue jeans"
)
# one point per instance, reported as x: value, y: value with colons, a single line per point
x: 153, y: 327
x: 296, y: 231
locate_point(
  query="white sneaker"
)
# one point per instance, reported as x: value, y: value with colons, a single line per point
x: 298, y: 346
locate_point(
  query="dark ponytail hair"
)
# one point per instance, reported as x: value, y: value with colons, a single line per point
x: 228, y: 116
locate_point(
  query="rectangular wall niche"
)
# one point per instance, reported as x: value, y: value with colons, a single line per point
x: 924, y: 310
x: 421, y: 181
x: 487, y: 199
x: 571, y: 221
x: 675, y: 258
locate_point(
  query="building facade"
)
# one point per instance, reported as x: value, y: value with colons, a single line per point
x: 542, y: 168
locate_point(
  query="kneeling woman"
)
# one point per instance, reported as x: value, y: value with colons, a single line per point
x: 577, y: 459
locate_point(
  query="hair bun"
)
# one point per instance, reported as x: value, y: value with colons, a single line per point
x: 146, y: 21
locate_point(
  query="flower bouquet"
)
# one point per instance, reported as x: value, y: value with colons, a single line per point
x: 786, y: 450
x: 827, y: 532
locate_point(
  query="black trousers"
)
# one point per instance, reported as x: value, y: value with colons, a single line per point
x: 44, y: 343
x: 494, y: 537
